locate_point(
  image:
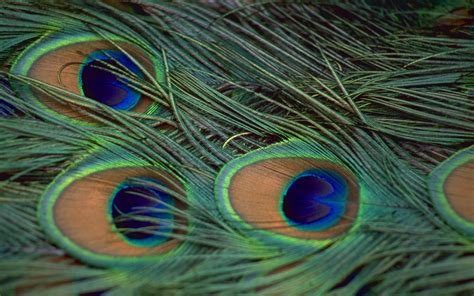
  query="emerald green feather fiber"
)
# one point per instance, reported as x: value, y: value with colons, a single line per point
x: 275, y: 148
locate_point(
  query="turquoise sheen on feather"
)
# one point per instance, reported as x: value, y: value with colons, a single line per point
x: 143, y: 210
x: 374, y: 98
x: 99, y: 82
x: 76, y: 211
x: 451, y: 187
x: 291, y: 192
x: 315, y: 199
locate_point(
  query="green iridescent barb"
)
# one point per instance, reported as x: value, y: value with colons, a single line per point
x: 236, y: 147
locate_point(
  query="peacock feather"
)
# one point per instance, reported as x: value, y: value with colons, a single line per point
x: 236, y: 147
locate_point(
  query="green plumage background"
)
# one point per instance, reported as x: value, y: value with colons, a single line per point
x: 383, y: 88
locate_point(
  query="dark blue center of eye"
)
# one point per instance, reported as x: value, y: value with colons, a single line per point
x: 103, y: 77
x: 6, y: 109
x: 142, y: 213
x: 315, y: 199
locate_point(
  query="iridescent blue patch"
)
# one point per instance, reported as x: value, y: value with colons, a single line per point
x: 142, y: 213
x: 102, y: 77
x: 6, y: 109
x: 315, y: 199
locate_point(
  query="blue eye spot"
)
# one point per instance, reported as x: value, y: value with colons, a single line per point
x: 102, y: 78
x: 6, y: 109
x: 142, y: 213
x: 315, y: 199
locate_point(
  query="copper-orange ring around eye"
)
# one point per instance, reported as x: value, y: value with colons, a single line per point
x: 56, y: 61
x: 86, y: 207
x: 255, y: 191
x: 451, y: 186
x: 75, y: 213
x: 459, y: 190
x: 48, y: 67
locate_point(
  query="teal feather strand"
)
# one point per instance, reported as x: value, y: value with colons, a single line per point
x: 371, y: 86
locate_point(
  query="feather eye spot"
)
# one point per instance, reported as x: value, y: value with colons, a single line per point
x: 103, y: 78
x: 278, y: 195
x: 451, y: 187
x: 142, y: 213
x: 315, y: 199
x: 58, y: 68
x: 111, y: 213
